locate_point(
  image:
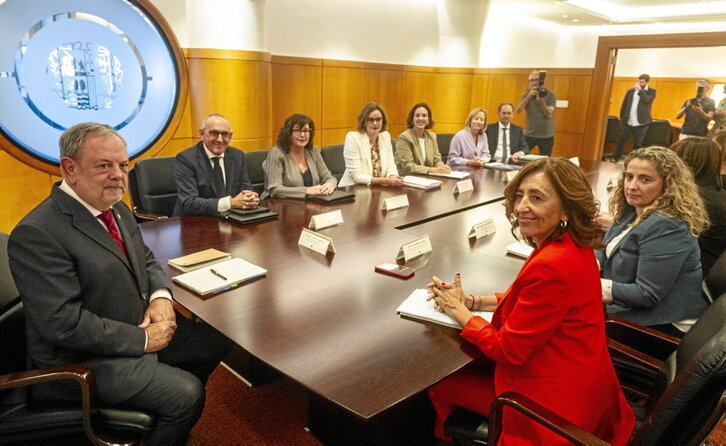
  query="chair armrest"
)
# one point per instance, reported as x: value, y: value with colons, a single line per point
x: 541, y: 415
x: 83, y: 376
x: 651, y: 342
x: 150, y: 217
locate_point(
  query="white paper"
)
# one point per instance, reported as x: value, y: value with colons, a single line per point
x: 326, y: 220
x: 464, y: 186
x: 420, y: 182
x: 482, y: 229
x: 416, y: 306
x: 415, y: 248
x: 399, y: 201
x: 228, y: 273
x: 455, y: 174
x: 317, y: 242
x: 520, y: 248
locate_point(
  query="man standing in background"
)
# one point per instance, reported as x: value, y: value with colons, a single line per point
x: 539, y: 129
x: 699, y: 112
x: 635, y: 114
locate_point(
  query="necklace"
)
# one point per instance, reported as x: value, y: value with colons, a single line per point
x: 301, y: 165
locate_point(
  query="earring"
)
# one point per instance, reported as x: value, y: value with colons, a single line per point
x: 563, y: 224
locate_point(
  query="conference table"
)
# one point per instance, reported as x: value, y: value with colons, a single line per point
x: 329, y: 322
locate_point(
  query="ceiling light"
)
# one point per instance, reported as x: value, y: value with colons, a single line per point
x: 575, y: 20
x: 609, y: 10
x: 564, y: 16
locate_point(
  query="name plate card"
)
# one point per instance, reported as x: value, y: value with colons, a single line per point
x: 463, y: 186
x: 482, y: 229
x: 326, y: 220
x: 317, y: 242
x: 510, y: 175
x: 575, y: 160
x: 413, y: 249
x: 612, y: 182
x: 399, y: 201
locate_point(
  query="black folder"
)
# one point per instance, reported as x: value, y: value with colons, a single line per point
x: 338, y: 196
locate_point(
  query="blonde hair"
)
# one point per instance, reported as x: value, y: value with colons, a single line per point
x: 680, y: 197
x: 472, y: 115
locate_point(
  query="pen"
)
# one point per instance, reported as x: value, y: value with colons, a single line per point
x: 216, y: 273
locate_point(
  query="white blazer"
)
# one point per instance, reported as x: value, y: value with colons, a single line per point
x: 358, y: 164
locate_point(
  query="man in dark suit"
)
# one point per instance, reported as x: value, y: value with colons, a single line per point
x: 211, y: 177
x: 635, y: 114
x: 94, y: 294
x: 506, y: 140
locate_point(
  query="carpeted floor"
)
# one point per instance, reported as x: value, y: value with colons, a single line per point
x: 235, y: 414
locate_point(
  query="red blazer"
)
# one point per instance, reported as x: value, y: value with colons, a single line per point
x: 547, y: 337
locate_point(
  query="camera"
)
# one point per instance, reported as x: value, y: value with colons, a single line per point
x: 697, y: 100
x: 541, y: 91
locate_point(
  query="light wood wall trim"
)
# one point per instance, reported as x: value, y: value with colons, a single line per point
x: 418, y: 68
x: 383, y: 66
x: 603, y: 72
x: 213, y: 53
x: 343, y: 63
x: 291, y: 60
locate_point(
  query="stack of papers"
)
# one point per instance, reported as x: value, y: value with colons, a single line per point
x: 453, y: 174
x: 199, y: 260
x: 502, y: 166
x: 417, y: 307
x: 520, y: 249
x: 420, y: 182
x: 219, y: 276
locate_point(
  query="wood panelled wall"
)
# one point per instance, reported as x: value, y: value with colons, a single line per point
x: 257, y: 91
x: 671, y: 92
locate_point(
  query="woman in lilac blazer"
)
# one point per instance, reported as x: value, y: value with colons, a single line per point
x: 469, y: 147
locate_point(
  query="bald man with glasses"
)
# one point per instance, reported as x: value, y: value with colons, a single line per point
x: 211, y: 177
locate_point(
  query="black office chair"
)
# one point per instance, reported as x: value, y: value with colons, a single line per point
x: 612, y: 133
x: 333, y: 157
x: 682, y: 407
x: 443, y: 140
x: 658, y: 133
x: 714, y: 284
x: 24, y: 421
x: 255, y: 171
x: 153, y: 188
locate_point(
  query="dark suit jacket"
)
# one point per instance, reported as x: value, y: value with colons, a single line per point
x: 655, y: 269
x: 83, y: 298
x: 517, y: 143
x: 195, y: 184
x: 646, y: 101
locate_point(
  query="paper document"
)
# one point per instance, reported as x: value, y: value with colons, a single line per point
x: 453, y: 174
x: 420, y: 182
x: 199, y: 259
x: 417, y: 307
x: 219, y: 276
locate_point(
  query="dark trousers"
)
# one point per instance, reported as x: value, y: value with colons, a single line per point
x: 544, y: 144
x: 176, y: 391
x: 638, y: 133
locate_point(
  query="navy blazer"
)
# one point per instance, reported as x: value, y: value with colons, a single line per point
x: 83, y: 298
x: 195, y: 183
x: 655, y: 269
x: 517, y: 143
x: 646, y: 101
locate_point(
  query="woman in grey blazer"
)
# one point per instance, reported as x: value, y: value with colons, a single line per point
x: 294, y: 168
x: 651, y: 264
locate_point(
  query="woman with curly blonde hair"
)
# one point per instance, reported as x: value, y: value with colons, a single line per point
x: 651, y: 264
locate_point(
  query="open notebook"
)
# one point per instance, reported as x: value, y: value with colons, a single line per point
x: 219, y: 276
x: 417, y: 307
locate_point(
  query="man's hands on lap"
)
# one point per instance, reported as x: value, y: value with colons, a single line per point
x: 159, y: 323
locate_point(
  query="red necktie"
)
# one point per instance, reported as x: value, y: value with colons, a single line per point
x: 107, y: 217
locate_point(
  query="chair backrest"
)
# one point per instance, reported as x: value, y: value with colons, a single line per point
x: 443, y: 140
x: 658, y: 133
x: 156, y: 187
x: 333, y: 157
x: 12, y: 323
x: 692, y: 380
x: 255, y: 171
x: 612, y: 131
x: 714, y: 284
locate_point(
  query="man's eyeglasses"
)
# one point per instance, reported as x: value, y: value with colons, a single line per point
x: 374, y: 120
x: 301, y: 131
x: 216, y: 134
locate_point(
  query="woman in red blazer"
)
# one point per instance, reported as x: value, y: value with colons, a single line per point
x: 547, y: 335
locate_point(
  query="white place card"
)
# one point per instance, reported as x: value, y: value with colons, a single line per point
x: 482, y: 229
x: 317, y: 242
x: 612, y: 182
x: 575, y: 160
x: 463, y: 186
x: 413, y: 249
x: 399, y: 201
x: 326, y: 220
x: 511, y: 174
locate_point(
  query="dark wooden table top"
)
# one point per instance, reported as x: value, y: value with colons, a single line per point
x: 329, y: 322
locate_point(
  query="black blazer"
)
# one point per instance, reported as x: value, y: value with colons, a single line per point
x: 646, y: 101
x: 517, y: 143
x: 195, y: 184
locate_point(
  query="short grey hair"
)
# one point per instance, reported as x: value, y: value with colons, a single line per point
x: 213, y: 115
x: 72, y: 139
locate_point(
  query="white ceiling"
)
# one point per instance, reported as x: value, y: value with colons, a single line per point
x: 613, y: 12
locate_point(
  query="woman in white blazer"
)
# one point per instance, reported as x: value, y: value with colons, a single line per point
x: 368, y: 151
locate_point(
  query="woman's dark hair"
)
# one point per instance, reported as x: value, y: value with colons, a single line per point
x: 298, y: 120
x: 578, y: 202
x: 409, y: 119
x: 366, y: 111
x: 702, y: 156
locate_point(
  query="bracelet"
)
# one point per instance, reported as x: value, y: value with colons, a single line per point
x: 473, y: 302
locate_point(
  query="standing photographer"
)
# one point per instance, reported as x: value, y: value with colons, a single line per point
x: 699, y: 112
x: 540, y: 105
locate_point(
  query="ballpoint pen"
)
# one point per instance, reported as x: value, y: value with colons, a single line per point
x: 216, y: 273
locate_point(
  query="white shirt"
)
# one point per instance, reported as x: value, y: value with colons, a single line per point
x: 633, y: 117
x: 422, y: 144
x: 497, y: 156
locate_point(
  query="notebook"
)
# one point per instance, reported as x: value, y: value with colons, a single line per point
x: 420, y: 182
x: 199, y: 259
x: 338, y: 196
x: 417, y: 307
x: 219, y: 276
x: 247, y: 216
